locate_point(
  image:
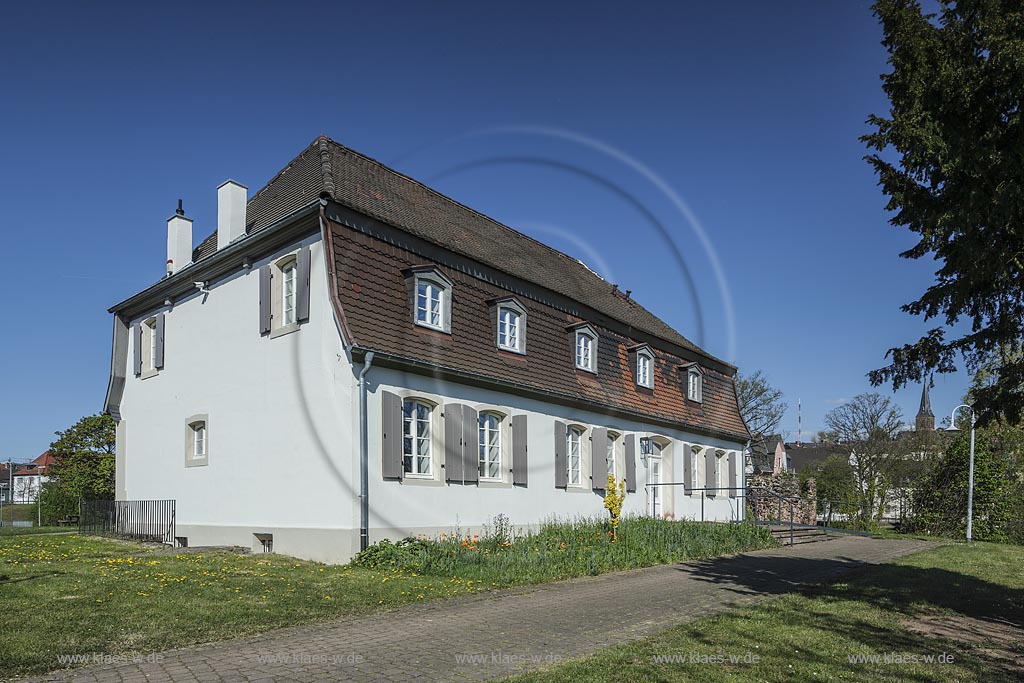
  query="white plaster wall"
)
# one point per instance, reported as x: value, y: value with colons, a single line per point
x: 282, y: 450
x: 414, y: 506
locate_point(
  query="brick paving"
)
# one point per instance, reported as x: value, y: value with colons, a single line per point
x: 495, y: 635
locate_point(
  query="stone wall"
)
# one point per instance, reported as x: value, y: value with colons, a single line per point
x: 804, y: 498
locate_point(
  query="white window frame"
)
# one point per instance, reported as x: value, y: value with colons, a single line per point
x: 196, y: 426
x: 487, y: 449
x: 416, y: 457
x: 511, y: 308
x: 431, y: 277
x: 695, y: 385
x: 719, y: 460
x: 645, y: 360
x: 149, y: 347
x: 577, y: 432
x: 586, y: 362
x: 281, y: 322
x: 696, y: 453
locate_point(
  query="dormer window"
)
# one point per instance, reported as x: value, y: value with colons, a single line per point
x: 695, y: 384
x: 431, y: 298
x: 510, y: 321
x: 585, y: 344
x: 642, y: 360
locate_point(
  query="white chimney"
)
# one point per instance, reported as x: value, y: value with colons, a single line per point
x: 179, y: 241
x: 231, y: 198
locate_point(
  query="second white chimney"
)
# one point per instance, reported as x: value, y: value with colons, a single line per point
x: 231, y: 198
x: 179, y: 241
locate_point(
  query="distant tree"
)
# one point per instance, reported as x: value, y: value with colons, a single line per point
x: 83, y: 466
x: 949, y: 158
x: 836, y: 485
x: 761, y: 404
x: 869, y: 423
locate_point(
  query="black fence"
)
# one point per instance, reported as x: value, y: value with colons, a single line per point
x: 140, y: 520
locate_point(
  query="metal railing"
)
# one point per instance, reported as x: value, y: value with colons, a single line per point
x: 140, y: 520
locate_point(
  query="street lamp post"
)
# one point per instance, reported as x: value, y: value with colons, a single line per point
x: 970, y: 471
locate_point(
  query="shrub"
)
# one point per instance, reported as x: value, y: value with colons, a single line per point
x: 403, y: 554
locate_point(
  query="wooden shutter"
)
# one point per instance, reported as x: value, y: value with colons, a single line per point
x: 732, y: 474
x: 391, y: 443
x: 688, y: 468
x: 598, y: 463
x: 470, y: 445
x: 137, y: 343
x: 630, y: 444
x: 453, y: 463
x: 302, y: 285
x: 709, y: 470
x: 561, y: 461
x: 519, y: 468
x: 158, y: 330
x: 265, y: 299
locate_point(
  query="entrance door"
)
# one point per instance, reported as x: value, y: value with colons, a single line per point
x: 654, y: 478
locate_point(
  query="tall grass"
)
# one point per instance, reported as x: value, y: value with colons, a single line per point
x: 562, y: 549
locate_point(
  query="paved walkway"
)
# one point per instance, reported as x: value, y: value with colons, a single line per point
x: 495, y: 635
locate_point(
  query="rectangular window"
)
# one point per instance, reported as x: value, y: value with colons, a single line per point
x: 610, y: 457
x: 643, y: 370
x: 584, y: 351
x: 288, y: 293
x: 199, y: 440
x: 429, y: 301
x: 693, y: 387
x: 508, y: 329
x: 574, y: 438
x: 416, y: 442
x: 490, y: 446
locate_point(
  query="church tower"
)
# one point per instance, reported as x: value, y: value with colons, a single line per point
x: 925, y: 416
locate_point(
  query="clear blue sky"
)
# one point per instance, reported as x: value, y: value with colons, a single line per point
x: 749, y: 112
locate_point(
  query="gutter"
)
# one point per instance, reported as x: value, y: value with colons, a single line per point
x: 364, y: 458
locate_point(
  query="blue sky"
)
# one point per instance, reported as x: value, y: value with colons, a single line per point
x: 545, y: 116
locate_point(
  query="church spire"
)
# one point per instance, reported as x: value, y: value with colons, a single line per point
x: 925, y: 416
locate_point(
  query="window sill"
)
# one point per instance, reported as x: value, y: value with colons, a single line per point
x: 506, y: 349
x: 146, y: 374
x: 197, y: 462
x: 494, y: 484
x: 284, y: 329
x: 420, y: 480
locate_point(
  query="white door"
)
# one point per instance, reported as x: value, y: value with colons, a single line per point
x: 654, y: 491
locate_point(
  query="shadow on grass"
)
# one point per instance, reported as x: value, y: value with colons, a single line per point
x: 6, y: 580
x: 893, y: 587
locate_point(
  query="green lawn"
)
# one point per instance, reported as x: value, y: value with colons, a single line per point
x: 68, y: 594
x: 973, y: 597
x: 19, y: 513
x: 29, y: 530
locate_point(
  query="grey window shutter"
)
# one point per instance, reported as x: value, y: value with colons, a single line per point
x: 453, y: 443
x: 709, y: 470
x: 158, y: 330
x: 630, y: 442
x: 391, y: 445
x: 732, y: 474
x: 470, y: 445
x: 561, y: 462
x: 598, y: 463
x: 137, y: 343
x: 519, y: 469
x: 687, y: 468
x: 302, y: 282
x: 265, y: 299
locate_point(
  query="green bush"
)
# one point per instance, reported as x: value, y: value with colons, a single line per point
x: 562, y: 549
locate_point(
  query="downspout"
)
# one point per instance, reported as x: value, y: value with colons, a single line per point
x: 364, y: 458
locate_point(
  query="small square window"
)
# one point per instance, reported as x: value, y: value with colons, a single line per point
x: 197, y: 441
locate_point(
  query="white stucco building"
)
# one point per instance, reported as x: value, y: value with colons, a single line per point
x: 353, y: 356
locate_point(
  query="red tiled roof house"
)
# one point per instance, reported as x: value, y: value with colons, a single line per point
x: 353, y: 356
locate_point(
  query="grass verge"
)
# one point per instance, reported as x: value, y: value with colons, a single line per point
x: 67, y: 594
x: 30, y: 530
x: 954, y: 602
